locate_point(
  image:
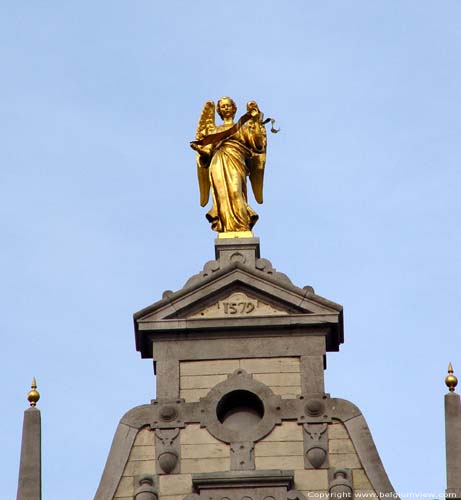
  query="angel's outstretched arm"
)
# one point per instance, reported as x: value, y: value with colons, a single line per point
x: 203, y: 151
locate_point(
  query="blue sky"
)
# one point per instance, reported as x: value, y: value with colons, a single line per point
x: 100, y: 209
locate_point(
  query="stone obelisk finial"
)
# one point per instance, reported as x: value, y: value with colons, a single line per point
x: 451, y: 381
x: 33, y: 395
x: 30, y: 468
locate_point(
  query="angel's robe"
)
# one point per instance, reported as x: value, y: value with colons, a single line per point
x: 228, y: 170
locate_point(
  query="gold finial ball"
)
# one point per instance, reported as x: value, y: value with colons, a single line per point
x: 33, y: 396
x: 451, y: 381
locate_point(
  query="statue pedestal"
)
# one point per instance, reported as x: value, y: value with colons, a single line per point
x: 243, y: 250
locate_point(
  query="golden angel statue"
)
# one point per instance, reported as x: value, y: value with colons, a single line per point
x: 226, y: 155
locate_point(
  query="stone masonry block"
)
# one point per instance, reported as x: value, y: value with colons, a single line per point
x: 288, y: 431
x: 309, y: 480
x: 341, y: 446
x: 280, y: 379
x: 291, y: 462
x: 167, y: 379
x: 201, y: 381
x: 145, y: 437
x: 204, y: 451
x: 194, y: 434
x: 270, y: 365
x: 287, y: 392
x: 278, y: 449
x: 289, y: 396
x: 212, y: 367
x: 139, y: 467
x: 125, y: 487
x: 142, y: 453
x: 193, y: 395
x: 337, y: 431
x: 345, y: 461
x: 175, y: 484
x: 205, y: 464
x: 360, y: 480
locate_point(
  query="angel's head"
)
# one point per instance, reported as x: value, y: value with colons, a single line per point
x: 226, y: 108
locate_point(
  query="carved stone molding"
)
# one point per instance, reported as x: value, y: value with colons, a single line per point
x: 242, y: 456
x: 242, y: 485
x: 176, y: 413
x: 315, y: 410
x: 168, y: 450
x: 209, y: 268
x: 240, y: 381
x: 245, y: 252
x: 265, y: 266
x: 337, y: 410
x: 315, y: 446
x: 171, y: 414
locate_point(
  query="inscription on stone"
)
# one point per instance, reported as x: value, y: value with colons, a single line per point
x: 238, y: 304
x: 241, y: 307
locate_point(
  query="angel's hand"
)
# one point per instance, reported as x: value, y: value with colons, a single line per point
x: 204, y: 151
x: 253, y: 109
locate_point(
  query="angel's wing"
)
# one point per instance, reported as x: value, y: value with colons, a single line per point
x: 256, y: 166
x: 207, y: 121
x: 206, y: 125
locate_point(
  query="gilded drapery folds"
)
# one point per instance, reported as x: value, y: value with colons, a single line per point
x: 226, y: 156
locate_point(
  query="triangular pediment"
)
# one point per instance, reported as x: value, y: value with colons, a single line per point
x: 237, y: 292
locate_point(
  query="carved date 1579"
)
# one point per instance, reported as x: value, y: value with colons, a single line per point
x: 238, y: 307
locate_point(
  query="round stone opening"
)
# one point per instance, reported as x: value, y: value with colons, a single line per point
x: 240, y: 409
